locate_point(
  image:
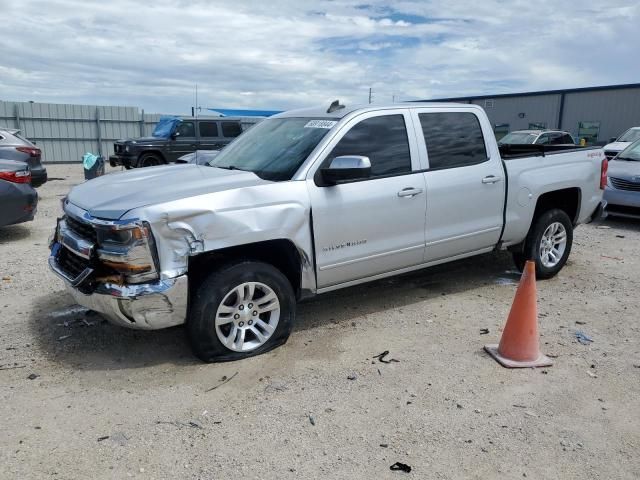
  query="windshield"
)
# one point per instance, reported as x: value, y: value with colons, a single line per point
x: 517, y: 138
x: 275, y: 148
x: 630, y: 135
x: 632, y: 152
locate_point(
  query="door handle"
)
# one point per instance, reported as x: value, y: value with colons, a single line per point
x: 410, y: 192
x: 491, y: 179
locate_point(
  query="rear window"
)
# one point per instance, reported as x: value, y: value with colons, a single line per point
x: 453, y: 139
x: 231, y: 129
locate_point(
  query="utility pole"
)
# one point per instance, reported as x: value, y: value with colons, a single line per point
x: 370, y: 94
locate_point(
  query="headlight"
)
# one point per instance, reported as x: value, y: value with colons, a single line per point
x: 129, y: 250
x: 126, y: 148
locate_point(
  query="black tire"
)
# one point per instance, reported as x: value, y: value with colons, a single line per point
x: 211, y: 292
x: 532, y: 243
x: 149, y: 160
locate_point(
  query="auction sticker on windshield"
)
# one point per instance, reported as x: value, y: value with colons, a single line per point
x: 320, y: 124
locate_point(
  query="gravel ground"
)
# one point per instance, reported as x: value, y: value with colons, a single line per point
x: 80, y: 398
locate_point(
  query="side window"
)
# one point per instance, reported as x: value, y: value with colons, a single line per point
x: 186, y: 129
x: 566, y: 139
x: 231, y: 129
x: 382, y: 139
x: 208, y: 129
x: 543, y: 139
x: 556, y: 139
x: 453, y: 139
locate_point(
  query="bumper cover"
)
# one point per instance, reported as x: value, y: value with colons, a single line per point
x: 38, y: 177
x: 148, y: 306
x: 124, y: 160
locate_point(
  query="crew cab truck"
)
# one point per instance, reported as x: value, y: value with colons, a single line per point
x: 310, y: 201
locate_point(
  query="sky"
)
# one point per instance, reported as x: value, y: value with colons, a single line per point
x: 283, y: 54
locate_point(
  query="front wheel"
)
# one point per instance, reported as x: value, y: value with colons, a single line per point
x: 548, y: 243
x: 241, y: 310
x: 150, y: 160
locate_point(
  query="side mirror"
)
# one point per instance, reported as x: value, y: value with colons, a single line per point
x: 612, y: 139
x: 175, y: 135
x: 346, y: 167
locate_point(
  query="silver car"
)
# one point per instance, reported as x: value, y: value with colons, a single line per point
x: 14, y: 146
x: 623, y: 183
x: 537, y: 137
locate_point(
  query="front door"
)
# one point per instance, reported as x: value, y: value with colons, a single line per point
x: 465, y: 184
x: 368, y: 227
x: 185, y: 140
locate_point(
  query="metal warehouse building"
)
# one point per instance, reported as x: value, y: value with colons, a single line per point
x: 596, y: 113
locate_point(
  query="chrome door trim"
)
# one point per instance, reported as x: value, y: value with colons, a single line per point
x: 465, y: 235
x: 369, y: 257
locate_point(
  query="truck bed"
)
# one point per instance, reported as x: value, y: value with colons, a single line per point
x: 511, y: 152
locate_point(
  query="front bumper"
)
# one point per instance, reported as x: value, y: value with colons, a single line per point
x: 147, y: 306
x: 122, y: 159
x: 622, y: 203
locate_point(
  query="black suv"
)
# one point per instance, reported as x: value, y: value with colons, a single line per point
x: 187, y: 135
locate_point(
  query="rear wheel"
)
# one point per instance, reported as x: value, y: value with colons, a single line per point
x: 150, y: 160
x: 241, y: 310
x: 548, y: 243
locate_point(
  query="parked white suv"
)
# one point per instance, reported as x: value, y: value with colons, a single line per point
x: 623, y: 141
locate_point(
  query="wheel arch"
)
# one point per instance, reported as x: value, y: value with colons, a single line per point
x: 280, y: 253
x: 152, y: 151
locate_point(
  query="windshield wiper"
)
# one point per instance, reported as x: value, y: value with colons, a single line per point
x: 229, y: 167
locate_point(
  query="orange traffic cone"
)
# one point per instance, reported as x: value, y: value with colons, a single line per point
x: 519, y: 345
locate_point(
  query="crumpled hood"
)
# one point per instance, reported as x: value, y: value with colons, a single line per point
x: 111, y: 196
x: 624, y: 169
x: 616, y: 146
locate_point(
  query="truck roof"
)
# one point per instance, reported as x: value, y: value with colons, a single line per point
x: 339, y: 110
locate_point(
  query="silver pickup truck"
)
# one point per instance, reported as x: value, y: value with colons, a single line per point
x: 311, y: 201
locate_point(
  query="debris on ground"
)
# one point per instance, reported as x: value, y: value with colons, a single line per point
x: 484, y: 331
x: 381, y: 357
x: 12, y: 367
x: 63, y: 337
x: 612, y: 258
x: 580, y: 322
x: 276, y: 387
x: 33, y: 376
x: 223, y: 380
x: 403, y: 467
x: 100, y: 439
x: 619, y: 236
x: 583, y: 338
x: 591, y: 374
x: 352, y: 376
x: 312, y: 419
x: 120, y: 438
x: 603, y: 227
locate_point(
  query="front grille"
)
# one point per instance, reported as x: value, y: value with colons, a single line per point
x: 609, y: 154
x: 70, y: 263
x: 83, y: 229
x: 622, y: 184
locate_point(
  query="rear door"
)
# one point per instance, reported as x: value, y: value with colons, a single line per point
x: 210, y: 135
x: 465, y: 183
x: 376, y: 225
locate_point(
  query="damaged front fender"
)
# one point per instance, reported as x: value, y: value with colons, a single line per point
x: 232, y: 218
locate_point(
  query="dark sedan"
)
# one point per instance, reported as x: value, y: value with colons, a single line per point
x: 14, y: 146
x: 17, y: 197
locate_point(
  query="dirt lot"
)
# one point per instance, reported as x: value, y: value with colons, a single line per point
x: 106, y: 402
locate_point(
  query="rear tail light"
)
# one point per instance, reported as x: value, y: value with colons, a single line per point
x: 603, y: 173
x: 33, y: 152
x: 22, y: 176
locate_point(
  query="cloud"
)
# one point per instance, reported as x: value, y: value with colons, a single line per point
x: 285, y: 53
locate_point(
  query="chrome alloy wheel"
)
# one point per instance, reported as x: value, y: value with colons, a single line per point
x: 553, y: 244
x: 247, y: 316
